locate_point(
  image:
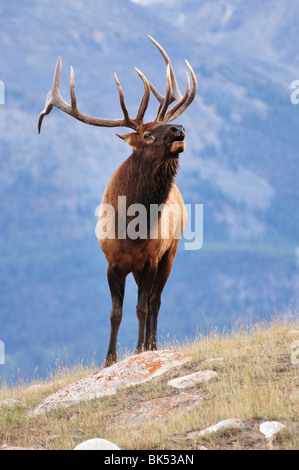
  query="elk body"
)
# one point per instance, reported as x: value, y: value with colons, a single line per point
x: 146, y: 178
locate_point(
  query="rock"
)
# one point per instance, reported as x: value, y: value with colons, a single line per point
x: 230, y: 423
x: 97, y: 444
x: 12, y: 403
x: 160, y: 407
x: 295, y: 353
x: 131, y: 371
x: 269, y: 428
x: 192, y: 379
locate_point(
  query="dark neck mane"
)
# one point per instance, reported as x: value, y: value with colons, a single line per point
x: 152, y: 179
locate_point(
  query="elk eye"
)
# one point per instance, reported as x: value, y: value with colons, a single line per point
x: 148, y: 137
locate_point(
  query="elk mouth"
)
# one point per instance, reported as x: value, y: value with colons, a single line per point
x: 178, y: 145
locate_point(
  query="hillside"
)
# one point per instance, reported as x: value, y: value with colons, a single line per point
x: 241, y: 163
x: 255, y: 381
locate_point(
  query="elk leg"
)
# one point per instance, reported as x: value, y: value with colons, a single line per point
x: 164, y: 269
x: 145, y: 286
x: 116, y: 282
x: 151, y: 324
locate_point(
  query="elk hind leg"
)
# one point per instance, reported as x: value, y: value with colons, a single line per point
x: 163, y: 272
x: 145, y: 285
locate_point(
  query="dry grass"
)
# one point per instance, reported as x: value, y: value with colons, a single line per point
x: 256, y: 381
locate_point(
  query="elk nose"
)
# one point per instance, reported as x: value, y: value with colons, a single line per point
x: 178, y: 131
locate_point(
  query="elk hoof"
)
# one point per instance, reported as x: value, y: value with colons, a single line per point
x: 110, y: 360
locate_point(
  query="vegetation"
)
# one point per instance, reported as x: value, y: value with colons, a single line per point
x: 257, y: 381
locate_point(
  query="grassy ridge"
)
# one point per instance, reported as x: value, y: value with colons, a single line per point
x: 257, y: 381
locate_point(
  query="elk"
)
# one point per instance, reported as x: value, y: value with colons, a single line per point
x: 147, y: 178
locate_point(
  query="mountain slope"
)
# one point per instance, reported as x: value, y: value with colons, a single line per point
x: 240, y: 163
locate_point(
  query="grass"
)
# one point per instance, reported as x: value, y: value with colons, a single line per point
x: 257, y: 381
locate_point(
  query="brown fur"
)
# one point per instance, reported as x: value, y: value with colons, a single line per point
x: 146, y: 177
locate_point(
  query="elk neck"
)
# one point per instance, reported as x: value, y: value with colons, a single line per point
x: 152, y: 177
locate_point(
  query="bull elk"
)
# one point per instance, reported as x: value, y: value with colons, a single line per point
x: 147, y: 178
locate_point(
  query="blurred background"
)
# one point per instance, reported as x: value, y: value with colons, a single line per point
x: 241, y: 163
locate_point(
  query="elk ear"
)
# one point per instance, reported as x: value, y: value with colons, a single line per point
x: 129, y: 138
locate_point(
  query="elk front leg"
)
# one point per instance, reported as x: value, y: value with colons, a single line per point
x: 145, y: 286
x: 116, y: 282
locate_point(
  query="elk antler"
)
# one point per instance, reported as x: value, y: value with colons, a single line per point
x: 54, y: 99
x: 172, y: 93
x: 172, y: 90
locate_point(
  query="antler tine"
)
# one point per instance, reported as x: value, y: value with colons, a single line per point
x: 145, y: 99
x: 72, y: 90
x: 122, y: 99
x: 175, y: 93
x: 172, y: 113
x: 182, y: 105
x: 47, y: 109
x: 53, y: 92
x: 164, y: 105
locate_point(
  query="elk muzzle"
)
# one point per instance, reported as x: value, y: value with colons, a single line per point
x: 177, y: 133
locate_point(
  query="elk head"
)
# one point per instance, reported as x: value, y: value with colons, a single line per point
x: 156, y: 136
x: 145, y: 134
